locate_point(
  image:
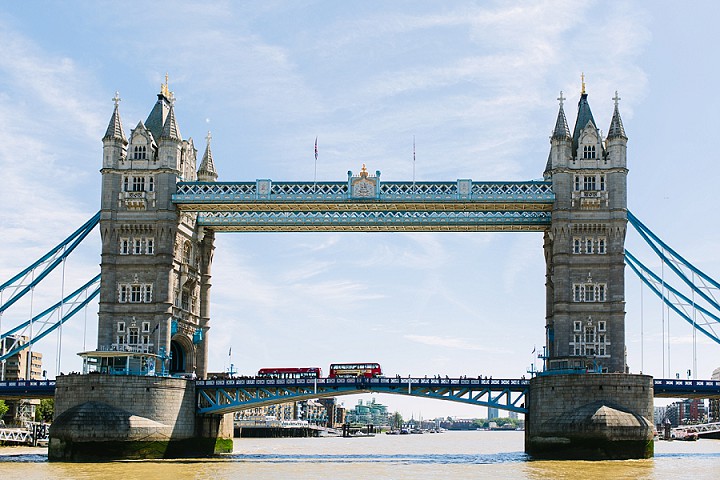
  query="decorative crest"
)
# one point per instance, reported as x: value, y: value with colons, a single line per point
x: 561, y: 99
x: 363, y: 171
x: 116, y: 98
x: 616, y: 99
x: 208, y: 137
x: 165, y: 90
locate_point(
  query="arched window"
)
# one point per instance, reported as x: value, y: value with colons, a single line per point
x: 589, y: 151
x: 187, y: 250
x: 139, y: 152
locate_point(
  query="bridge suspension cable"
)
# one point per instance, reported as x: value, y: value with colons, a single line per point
x: 76, y: 301
x: 704, y: 289
x: 19, y: 286
x: 675, y: 261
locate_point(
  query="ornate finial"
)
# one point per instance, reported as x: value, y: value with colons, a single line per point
x: 616, y: 99
x: 582, y: 78
x: 561, y: 99
x: 363, y: 171
x: 116, y: 98
x: 165, y: 88
x: 208, y: 137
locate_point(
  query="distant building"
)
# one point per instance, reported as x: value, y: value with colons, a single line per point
x: 493, y: 413
x: 371, y: 413
x: 714, y: 407
x: 16, y: 367
x: 686, y: 412
x: 335, y: 412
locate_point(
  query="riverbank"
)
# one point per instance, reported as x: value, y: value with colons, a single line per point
x: 12, y: 450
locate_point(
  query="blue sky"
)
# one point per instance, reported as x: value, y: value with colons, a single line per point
x: 474, y: 82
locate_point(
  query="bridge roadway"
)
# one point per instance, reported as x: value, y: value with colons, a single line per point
x: 227, y: 395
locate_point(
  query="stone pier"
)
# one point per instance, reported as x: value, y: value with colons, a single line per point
x: 590, y: 417
x: 108, y: 417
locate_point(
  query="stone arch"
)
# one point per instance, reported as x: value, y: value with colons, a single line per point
x: 183, y: 354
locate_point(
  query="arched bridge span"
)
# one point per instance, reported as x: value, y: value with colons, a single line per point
x: 231, y: 395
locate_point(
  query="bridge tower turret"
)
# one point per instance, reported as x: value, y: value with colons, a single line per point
x: 154, y: 296
x: 584, y: 246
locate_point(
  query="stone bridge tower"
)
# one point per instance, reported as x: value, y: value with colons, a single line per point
x: 585, y: 245
x: 155, y: 290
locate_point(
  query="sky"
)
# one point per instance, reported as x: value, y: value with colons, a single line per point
x: 474, y: 83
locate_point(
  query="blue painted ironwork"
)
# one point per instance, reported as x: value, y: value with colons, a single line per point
x: 659, y: 286
x: 462, y: 205
x: 224, y: 396
x: 11, y: 389
x: 92, y: 289
x: 660, y: 247
x: 372, y: 220
x: 231, y: 192
x: 675, y: 388
x: 47, y: 262
x: 197, y: 336
x: 53, y: 309
x: 209, y: 390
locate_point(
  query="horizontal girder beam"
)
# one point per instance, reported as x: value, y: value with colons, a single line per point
x: 676, y: 388
x: 225, y: 396
x: 462, y: 206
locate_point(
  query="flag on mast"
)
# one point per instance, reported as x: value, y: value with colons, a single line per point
x: 315, y: 174
x: 316, y: 149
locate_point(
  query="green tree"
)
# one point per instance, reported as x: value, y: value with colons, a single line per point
x: 45, y: 410
x: 3, y: 409
x: 397, y: 421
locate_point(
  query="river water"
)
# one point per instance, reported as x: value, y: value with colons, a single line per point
x: 476, y: 454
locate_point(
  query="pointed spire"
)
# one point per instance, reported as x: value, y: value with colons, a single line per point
x: 170, y: 129
x: 562, y: 131
x: 584, y: 117
x: 207, y: 172
x: 114, y: 130
x: 616, y: 126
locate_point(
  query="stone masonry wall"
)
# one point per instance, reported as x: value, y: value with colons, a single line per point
x: 170, y: 401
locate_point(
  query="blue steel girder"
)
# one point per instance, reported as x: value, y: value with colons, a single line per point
x: 394, y: 206
x: 225, y: 396
x: 677, y: 388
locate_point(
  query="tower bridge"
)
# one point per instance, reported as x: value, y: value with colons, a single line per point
x: 160, y: 211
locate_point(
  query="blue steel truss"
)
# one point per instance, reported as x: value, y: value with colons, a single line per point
x: 463, y: 205
x: 225, y: 396
x: 229, y: 192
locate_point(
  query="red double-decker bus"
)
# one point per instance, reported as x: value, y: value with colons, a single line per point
x: 350, y: 370
x: 302, y: 372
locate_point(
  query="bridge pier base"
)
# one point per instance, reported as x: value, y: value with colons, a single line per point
x: 113, y: 417
x: 590, y: 417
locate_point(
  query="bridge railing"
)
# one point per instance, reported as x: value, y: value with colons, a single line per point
x: 431, y: 382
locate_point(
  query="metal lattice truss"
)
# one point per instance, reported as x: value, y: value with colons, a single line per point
x: 700, y: 308
x: 700, y: 430
x: 15, y: 435
x: 392, y: 206
x: 225, y: 396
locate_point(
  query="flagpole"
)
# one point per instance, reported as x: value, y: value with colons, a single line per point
x: 413, y: 189
x: 316, y: 157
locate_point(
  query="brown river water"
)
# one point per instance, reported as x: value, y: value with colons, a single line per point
x: 476, y: 454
